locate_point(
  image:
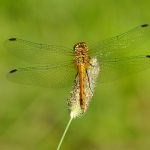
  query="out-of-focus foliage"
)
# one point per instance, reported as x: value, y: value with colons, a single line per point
x: 34, y: 118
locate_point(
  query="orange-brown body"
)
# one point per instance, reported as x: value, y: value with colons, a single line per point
x: 82, y: 63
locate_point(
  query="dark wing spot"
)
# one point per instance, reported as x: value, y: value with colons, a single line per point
x: 12, y: 39
x: 148, y: 56
x: 12, y: 71
x: 144, y: 25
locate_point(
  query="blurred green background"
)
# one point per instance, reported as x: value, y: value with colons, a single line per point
x: 33, y: 118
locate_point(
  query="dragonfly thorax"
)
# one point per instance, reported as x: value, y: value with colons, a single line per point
x: 81, y: 53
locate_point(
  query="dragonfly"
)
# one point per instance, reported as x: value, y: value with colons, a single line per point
x: 57, y: 66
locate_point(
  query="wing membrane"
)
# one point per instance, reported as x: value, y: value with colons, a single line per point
x: 122, y: 44
x: 45, y: 76
x: 114, y: 69
x: 38, y: 53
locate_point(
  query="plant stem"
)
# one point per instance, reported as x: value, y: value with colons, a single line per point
x: 66, y: 129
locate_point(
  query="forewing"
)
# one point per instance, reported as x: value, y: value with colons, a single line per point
x: 123, y: 44
x: 38, y: 53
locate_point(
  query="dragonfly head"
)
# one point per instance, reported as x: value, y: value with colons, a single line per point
x: 80, y: 46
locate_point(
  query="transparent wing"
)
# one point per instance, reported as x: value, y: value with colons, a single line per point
x: 121, y: 44
x: 123, y: 54
x: 46, y: 76
x: 114, y: 69
x: 38, y: 53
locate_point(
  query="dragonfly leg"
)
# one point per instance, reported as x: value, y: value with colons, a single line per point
x: 89, y: 81
x: 76, y: 82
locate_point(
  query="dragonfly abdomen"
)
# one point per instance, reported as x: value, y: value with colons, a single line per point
x: 81, y: 70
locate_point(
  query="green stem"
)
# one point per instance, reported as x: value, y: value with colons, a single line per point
x: 66, y: 129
